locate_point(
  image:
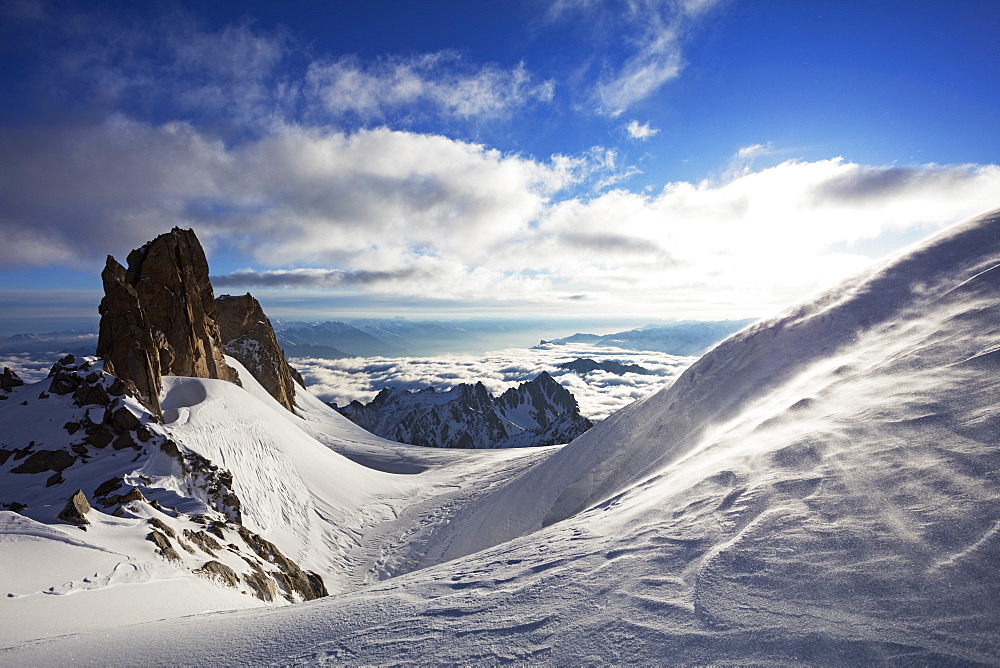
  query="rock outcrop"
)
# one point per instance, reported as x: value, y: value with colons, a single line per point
x: 76, y: 509
x: 537, y: 412
x: 249, y: 337
x: 9, y: 380
x: 158, y: 316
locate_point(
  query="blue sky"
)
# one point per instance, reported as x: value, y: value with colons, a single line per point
x: 673, y: 158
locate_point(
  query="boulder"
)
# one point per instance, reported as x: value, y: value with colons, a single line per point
x: 165, y: 549
x: 308, y: 586
x: 108, y: 486
x: 75, y: 509
x: 203, y: 541
x: 221, y: 571
x: 123, y: 420
x: 125, y: 440
x: 249, y: 337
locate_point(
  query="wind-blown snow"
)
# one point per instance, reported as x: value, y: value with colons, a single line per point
x: 820, y: 488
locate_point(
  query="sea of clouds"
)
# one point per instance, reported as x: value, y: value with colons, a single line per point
x: 341, y: 381
x: 599, y: 393
x: 29, y: 367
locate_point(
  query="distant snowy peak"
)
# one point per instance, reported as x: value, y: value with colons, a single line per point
x: 537, y: 412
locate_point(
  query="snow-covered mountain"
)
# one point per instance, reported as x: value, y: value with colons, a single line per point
x: 682, y: 338
x: 820, y: 488
x: 536, y: 412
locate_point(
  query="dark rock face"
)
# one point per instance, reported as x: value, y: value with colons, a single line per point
x: 45, y: 460
x: 157, y: 316
x: 75, y: 509
x: 537, y: 412
x: 249, y: 337
x: 9, y: 380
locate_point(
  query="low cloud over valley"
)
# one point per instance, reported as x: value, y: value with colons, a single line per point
x: 599, y: 393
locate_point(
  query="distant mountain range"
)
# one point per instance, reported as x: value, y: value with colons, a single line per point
x: 71, y: 341
x: 687, y: 338
x: 395, y: 337
x: 537, y: 412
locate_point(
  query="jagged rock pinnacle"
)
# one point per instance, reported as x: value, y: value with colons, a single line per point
x: 249, y: 337
x: 157, y: 316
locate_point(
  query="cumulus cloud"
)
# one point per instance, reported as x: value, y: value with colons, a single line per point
x: 360, y: 378
x: 639, y: 130
x: 599, y: 393
x: 424, y: 215
x: 373, y: 196
x: 762, y: 237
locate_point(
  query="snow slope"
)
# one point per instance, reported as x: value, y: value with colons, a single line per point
x: 327, y: 513
x: 821, y: 488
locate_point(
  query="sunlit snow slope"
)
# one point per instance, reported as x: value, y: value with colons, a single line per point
x: 350, y: 523
x: 820, y: 488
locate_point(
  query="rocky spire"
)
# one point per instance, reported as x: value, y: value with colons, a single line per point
x: 249, y: 337
x: 158, y: 316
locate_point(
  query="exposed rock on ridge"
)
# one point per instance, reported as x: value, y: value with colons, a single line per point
x: 106, y: 448
x: 249, y: 337
x: 158, y: 316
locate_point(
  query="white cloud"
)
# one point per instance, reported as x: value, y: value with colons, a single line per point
x: 376, y: 198
x: 29, y: 368
x: 639, y: 130
x: 360, y: 378
x: 655, y: 54
x: 762, y: 238
x: 441, y: 80
x: 599, y: 394
x: 257, y: 78
x: 417, y: 215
